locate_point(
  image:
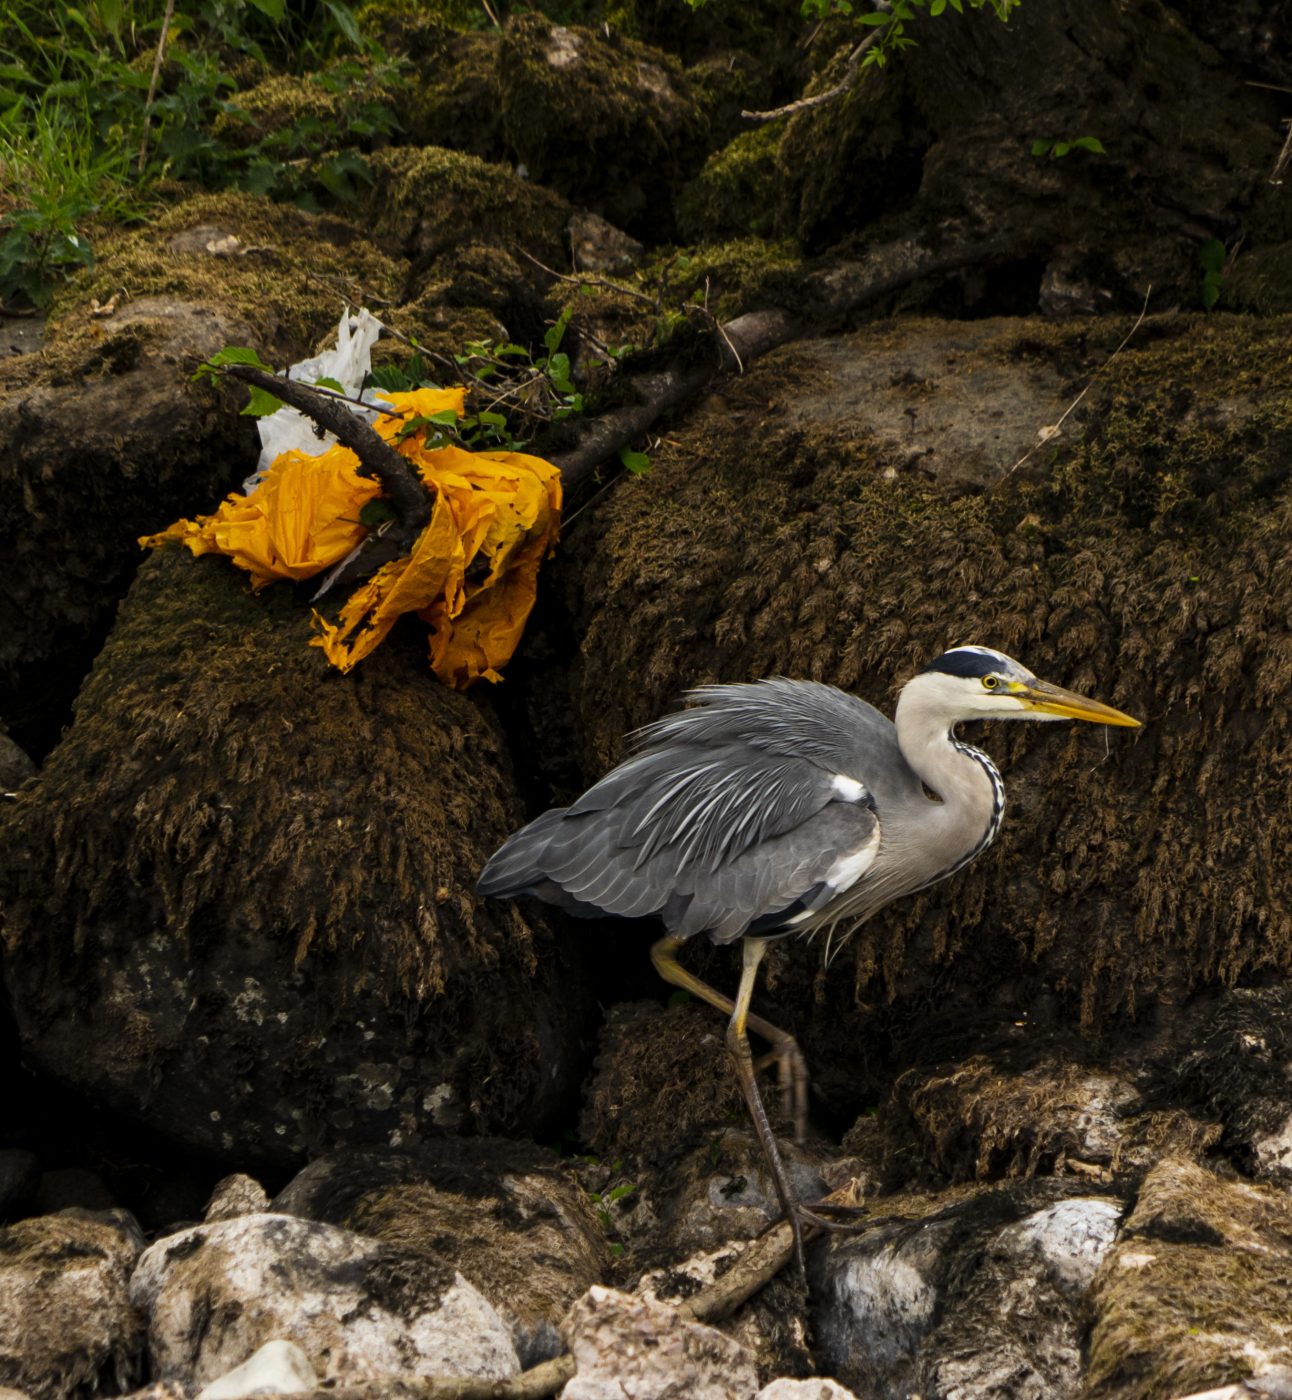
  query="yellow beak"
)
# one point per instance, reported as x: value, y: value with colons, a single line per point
x: 1054, y: 700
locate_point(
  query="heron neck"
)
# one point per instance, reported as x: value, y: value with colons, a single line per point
x: 972, y: 796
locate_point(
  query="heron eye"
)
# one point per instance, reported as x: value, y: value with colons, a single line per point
x: 990, y: 682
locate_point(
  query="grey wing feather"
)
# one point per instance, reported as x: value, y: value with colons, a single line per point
x: 728, y: 816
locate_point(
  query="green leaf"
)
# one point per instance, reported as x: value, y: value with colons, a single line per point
x: 1040, y: 148
x: 334, y: 384
x: 1212, y: 256
x: 492, y: 420
x: 558, y: 371
x: 261, y: 403
x: 636, y: 463
x: 376, y: 513
x: 1061, y: 148
x: 273, y: 9
x: 875, y: 18
x: 238, y: 355
x: 936, y: 8
x: 556, y: 332
x: 344, y: 20
x: 1091, y: 143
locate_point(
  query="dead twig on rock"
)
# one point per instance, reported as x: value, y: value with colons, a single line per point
x: 804, y: 104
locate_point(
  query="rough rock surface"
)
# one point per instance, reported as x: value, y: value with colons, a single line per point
x: 66, y: 1325
x: 1195, y: 1293
x: 976, y: 1296
x: 508, y: 1216
x: 253, y: 925
x: 233, y: 1196
x: 213, y: 1295
x: 624, y: 1345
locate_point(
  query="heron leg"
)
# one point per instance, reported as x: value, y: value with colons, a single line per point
x: 791, y: 1067
x: 742, y: 1058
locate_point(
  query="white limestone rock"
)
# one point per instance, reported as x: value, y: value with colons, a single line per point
x: 624, y: 1345
x: 213, y: 1294
x: 66, y: 1325
x: 278, y: 1368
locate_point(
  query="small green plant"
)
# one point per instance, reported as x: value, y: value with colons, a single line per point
x: 1211, y: 256
x: 1056, y: 150
x: 87, y: 130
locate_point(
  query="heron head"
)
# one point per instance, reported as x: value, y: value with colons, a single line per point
x: 978, y: 683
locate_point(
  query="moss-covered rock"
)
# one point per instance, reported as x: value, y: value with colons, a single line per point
x: 942, y: 141
x: 239, y: 900
x: 509, y: 1216
x: 104, y: 436
x: 736, y: 193
x: 1261, y: 282
x: 607, y: 122
x: 427, y: 202
x: 1194, y: 1295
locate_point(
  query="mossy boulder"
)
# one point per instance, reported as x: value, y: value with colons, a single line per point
x: 509, y: 1216
x: 1261, y: 282
x: 1194, y: 1295
x: 606, y: 121
x: 239, y: 899
x: 736, y: 193
x: 427, y: 202
x: 104, y: 436
x: 792, y: 527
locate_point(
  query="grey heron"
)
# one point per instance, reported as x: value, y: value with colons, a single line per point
x: 783, y: 807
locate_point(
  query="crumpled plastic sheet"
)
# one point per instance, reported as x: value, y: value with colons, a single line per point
x: 472, y: 574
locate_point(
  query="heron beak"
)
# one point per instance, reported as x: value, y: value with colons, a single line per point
x: 1054, y: 700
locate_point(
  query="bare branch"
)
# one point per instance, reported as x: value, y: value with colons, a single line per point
x: 821, y: 98
x: 152, y: 82
x: 376, y: 456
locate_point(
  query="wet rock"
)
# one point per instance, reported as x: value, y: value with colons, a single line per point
x: 508, y: 1215
x: 269, y: 905
x: 359, y: 1309
x: 972, y: 1294
x: 628, y: 1345
x: 234, y: 1196
x: 19, y: 1177
x: 606, y: 121
x: 66, y: 1325
x: 279, y: 1368
x: 1194, y: 1295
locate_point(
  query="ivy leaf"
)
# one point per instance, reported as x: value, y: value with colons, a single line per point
x: 634, y: 462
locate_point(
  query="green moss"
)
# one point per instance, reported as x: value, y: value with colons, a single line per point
x: 746, y: 274
x: 736, y: 193
x: 245, y: 254
x: 429, y: 201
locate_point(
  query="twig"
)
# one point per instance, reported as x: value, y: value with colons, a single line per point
x: 376, y: 456
x: 152, y: 82
x: 488, y: 9
x: 1048, y: 434
x: 1285, y: 156
x: 590, y: 279
x: 821, y: 98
